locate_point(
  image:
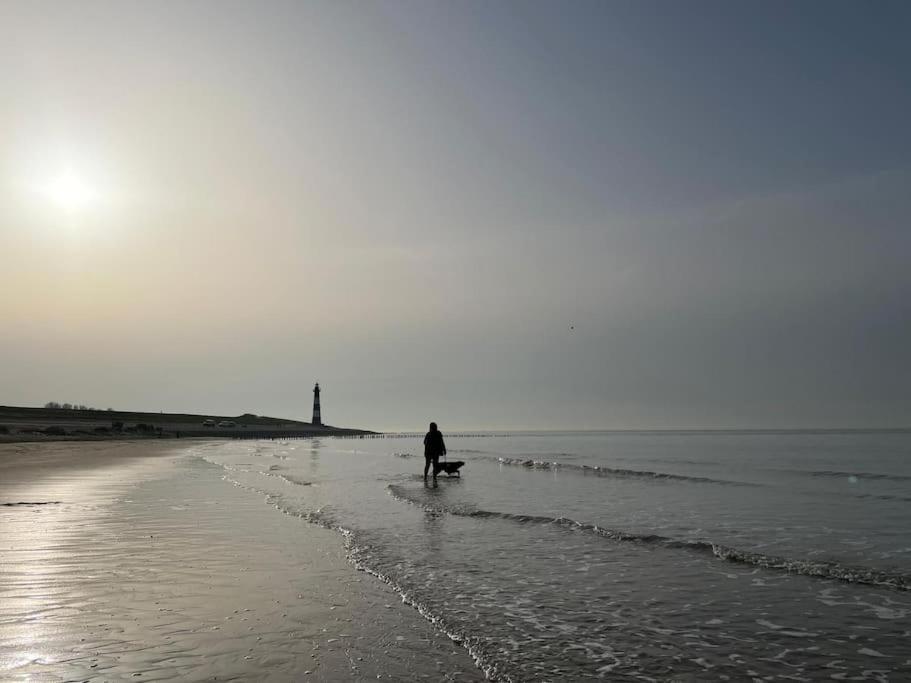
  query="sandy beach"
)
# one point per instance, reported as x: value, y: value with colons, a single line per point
x: 136, y: 560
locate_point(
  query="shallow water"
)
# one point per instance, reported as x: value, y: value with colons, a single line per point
x: 155, y: 568
x: 648, y: 555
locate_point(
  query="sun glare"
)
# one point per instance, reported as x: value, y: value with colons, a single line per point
x: 70, y: 192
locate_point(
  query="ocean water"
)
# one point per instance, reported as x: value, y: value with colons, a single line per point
x: 648, y: 555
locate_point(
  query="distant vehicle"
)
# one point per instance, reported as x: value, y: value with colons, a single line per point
x: 208, y: 423
x: 227, y: 423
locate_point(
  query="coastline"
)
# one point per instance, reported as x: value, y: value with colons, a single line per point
x: 136, y: 559
x: 46, y: 425
x: 37, y: 438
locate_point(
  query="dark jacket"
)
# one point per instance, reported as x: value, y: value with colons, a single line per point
x: 433, y: 444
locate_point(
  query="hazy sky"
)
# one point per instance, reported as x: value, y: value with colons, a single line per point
x: 208, y: 206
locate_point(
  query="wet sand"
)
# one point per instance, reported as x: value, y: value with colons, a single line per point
x: 135, y: 560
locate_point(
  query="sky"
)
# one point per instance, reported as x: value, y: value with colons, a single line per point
x: 548, y: 215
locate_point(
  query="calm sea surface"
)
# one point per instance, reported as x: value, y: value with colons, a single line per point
x: 645, y: 555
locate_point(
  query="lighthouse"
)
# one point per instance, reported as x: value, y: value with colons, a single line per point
x: 317, y: 420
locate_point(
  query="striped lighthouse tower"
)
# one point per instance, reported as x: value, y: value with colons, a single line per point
x: 317, y: 419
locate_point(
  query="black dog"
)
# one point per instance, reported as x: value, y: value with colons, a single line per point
x: 450, y: 467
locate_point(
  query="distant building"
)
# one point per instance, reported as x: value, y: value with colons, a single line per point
x: 317, y: 418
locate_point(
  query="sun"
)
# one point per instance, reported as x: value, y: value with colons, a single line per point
x: 70, y: 191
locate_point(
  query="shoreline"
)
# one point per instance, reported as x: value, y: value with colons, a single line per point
x: 131, y: 558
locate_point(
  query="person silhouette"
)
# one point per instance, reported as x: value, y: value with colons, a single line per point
x: 434, y: 447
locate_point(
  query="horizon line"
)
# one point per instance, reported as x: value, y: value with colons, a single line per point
x: 657, y: 429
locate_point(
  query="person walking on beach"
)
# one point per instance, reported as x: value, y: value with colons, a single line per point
x: 434, y: 447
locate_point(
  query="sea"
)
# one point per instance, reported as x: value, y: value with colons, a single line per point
x: 762, y: 555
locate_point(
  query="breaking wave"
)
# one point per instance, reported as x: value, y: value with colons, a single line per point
x: 880, y: 496
x: 287, y: 478
x: 858, y: 475
x: 555, y: 454
x: 600, y: 471
x: 294, y: 480
x: 816, y: 569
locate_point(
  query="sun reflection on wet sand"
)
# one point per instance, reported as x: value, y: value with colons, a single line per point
x: 51, y: 523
